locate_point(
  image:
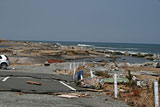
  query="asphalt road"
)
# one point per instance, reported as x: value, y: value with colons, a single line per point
x: 17, y: 82
x: 12, y: 99
x: 12, y: 82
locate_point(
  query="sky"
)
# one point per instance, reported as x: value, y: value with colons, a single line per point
x: 122, y: 21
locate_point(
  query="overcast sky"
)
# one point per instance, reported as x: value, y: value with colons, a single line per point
x: 129, y: 21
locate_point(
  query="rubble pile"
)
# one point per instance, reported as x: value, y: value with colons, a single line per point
x: 135, y: 87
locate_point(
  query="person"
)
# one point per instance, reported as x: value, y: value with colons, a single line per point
x: 80, y: 75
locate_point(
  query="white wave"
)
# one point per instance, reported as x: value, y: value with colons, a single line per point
x: 143, y: 53
x: 130, y: 52
x: 112, y: 48
x: 84, y: 45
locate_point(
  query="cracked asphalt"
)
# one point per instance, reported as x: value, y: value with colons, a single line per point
x: 13, y: 81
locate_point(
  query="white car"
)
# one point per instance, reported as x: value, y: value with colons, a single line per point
x: 4, y: 62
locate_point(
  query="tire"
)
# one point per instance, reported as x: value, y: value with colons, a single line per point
x: 4, y: 66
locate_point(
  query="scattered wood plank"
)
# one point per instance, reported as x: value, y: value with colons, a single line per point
x: 94, y: 90
x: 20, y: 93
x: 71, y: 95
x: 33, y: 82
x: 67, y: 96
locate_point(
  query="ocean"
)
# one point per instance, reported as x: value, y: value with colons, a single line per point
x: 4, y: 46
x: 133, y: 48
x: 120, y: 47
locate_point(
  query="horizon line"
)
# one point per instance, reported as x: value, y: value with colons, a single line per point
x: 87, y: 42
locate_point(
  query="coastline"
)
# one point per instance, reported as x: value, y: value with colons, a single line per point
x: 150, y: 56
x: 32, y: 56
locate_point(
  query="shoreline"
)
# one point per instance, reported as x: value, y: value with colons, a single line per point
x: 32, y: 57
x: 106, y: 52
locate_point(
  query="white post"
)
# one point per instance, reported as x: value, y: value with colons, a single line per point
x: 70, y: 67
x: 91, y: 72
x: 156, y: 94
x: 115, y: 85
x: 74, y: 70
x: 84, y: 63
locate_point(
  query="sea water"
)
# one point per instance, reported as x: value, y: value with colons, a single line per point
x: 118, y: 47
x: 121, y: 47
x: 3, y: 46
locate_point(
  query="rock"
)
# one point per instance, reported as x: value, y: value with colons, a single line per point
x: 136, y: 65
x: 111, y: 64
x: 149, y: 57
x: 123, y: 64
x: 156, y: 57
x: 122, y: 90
x: 149, y: 64
x: 149, y: 73
x: 158, y: 65
x: 145, y: 82
x: 126, y: 54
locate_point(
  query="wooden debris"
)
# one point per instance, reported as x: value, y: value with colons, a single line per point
x: 33, y: 82
x: 67, y: 96
x: 20, y: 93
x: 94, y: 90
x: 72, y: 95
x: 55, y: 93
x: 55, y: 61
